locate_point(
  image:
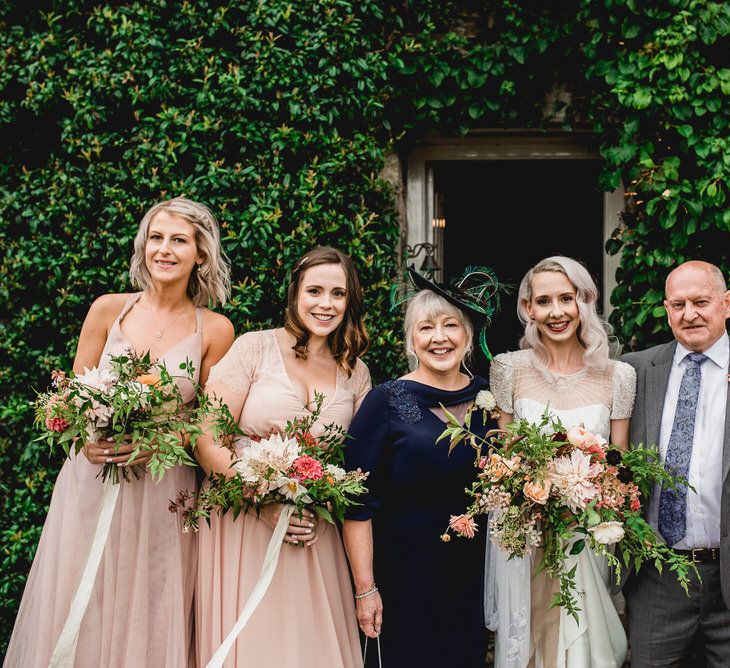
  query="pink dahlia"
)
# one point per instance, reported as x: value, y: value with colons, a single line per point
x: 307, y: 468
x: 463, y: 525
x: 57, y: 424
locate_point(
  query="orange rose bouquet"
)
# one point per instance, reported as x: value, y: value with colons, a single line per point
x: 563, y: 491
x: 133, y: 401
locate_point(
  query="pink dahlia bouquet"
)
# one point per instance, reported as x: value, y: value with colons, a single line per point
x: 564, y: 491
x: 291, y: 466
x: 131, y: 401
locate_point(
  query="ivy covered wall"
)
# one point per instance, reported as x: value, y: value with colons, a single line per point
x: 279, y: 115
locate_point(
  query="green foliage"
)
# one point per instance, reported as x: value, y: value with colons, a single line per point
x: 648, y: 79
x: 269, y: 112
x: 278, y: 114
x: 659, y: 79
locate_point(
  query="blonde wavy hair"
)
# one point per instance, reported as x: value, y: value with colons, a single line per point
x: 593, y: 331
x: 210, y: 282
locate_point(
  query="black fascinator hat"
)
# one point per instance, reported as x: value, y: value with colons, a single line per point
x: 476, y: 292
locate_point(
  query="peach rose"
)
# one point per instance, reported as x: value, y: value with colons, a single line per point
x: 148, y: 379
x: 537, y: 490
x: 581, y: 438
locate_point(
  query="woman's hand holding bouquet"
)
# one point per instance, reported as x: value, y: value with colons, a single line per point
x: 564, y: 491
x: 288, y: 467
x: 131, y: 412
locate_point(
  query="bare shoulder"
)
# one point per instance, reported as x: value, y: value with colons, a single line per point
x: 218, y: 333
x: 217, y: 325
x: 106, y: 308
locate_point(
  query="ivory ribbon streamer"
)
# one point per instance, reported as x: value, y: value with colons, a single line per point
x: 267, y: 573
x: 64, y: 654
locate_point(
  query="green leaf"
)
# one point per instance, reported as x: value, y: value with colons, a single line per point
x: 475, y: 111
x: 685, y: 130
x: 323, y: 513
x: 577, y: 547
x: 641, y: 98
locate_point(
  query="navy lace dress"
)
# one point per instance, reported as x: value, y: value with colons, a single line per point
x: 432, y: 591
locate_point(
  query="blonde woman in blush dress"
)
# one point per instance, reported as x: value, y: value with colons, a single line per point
x: 140, y: 612
x: 307, y: 616
x: 563, y: 367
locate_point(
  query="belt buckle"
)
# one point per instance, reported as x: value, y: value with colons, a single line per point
x: 695, y: 551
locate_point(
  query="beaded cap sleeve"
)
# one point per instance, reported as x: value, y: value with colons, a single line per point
x: 590, y: 397
x: 624, y: 391
x: 501, y: 380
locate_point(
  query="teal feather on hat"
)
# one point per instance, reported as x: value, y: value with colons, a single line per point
x: 476, y: 291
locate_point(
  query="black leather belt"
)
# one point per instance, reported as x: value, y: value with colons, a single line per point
x: 701, y: 554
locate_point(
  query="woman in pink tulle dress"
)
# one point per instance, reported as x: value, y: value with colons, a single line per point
x: 306, y: 618
x: 140, y: 611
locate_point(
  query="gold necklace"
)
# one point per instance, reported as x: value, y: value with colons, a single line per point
x: 161, y: 332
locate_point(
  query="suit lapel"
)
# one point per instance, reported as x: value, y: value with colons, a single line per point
x: 657, y: 379
x: 726, y: 445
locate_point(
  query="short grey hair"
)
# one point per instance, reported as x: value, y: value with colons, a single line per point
x: 210, y: 282
x: 427, y: 304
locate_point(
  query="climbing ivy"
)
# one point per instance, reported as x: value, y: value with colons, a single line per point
x: 279, y: 115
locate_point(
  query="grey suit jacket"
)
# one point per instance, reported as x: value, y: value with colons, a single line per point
x: 652, y: 377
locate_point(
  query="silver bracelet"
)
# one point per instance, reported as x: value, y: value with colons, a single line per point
x: 372, y: 590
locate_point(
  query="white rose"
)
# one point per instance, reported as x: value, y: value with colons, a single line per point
x: 336, y: 472
x: 485, y: 400
x: 607, y: 533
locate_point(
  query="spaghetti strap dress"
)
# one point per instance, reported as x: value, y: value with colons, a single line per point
x: 141, y: 608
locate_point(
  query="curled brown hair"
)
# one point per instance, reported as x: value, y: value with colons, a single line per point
x: 350, y: 339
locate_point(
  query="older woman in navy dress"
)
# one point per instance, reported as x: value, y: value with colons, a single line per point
x: 425, y: 594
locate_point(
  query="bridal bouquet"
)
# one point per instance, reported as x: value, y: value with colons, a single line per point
x: 291, y: 467
x: 132, y: 399
x: 564, y: 491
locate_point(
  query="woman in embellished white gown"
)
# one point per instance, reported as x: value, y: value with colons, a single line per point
x: 563, y: 367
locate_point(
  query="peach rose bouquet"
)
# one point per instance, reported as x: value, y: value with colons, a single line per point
x: 131, y: 400
x: 563, y: 490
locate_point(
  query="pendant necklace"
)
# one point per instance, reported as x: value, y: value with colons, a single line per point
x: 161, y: 332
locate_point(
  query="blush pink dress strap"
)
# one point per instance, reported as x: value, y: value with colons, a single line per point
x: 141, y: 608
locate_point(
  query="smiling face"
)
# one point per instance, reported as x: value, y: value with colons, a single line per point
x: 697, y: 307
x: 553, y: 307
x: 439, y: 342
x: 170, y: 250
x: 322, y: 298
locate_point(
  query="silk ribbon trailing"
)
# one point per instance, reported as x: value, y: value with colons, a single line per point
x: 267, y: 573
x: 64, y: 654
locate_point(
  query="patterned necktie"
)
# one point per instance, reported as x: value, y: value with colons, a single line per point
x: 673, y: 504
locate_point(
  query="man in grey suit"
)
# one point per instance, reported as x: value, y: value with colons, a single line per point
x: 682, y: 406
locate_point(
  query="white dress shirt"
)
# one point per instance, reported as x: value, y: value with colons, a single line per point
x: 705, y: 468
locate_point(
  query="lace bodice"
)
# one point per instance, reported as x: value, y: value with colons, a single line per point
x: 591, y: 397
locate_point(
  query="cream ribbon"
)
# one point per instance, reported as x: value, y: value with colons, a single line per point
x: 267, y: 573
x: 64, y: 654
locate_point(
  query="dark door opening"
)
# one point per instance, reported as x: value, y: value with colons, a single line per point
x: 527, y: 210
